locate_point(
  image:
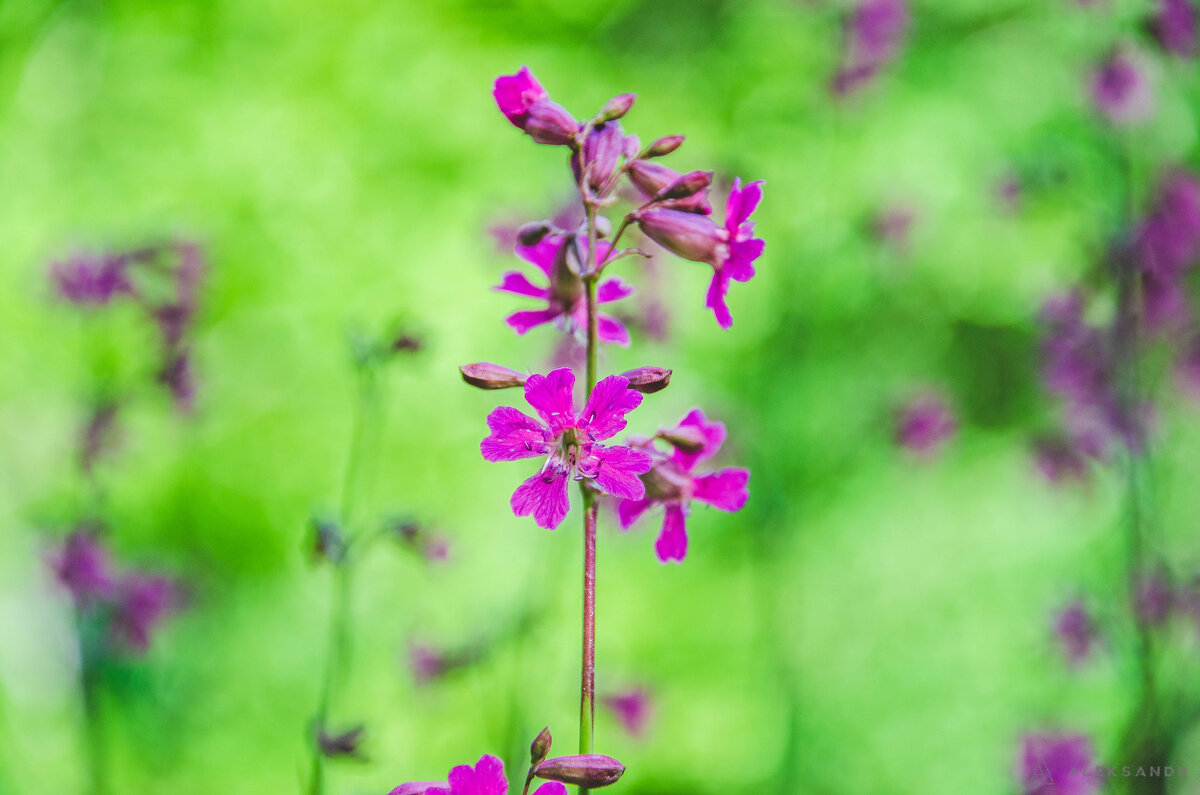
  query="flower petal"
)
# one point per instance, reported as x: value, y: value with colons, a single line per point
x: 629, y: 511
x: 725, y: 489
x: 714, y: 437
x: 611, y: 290
x: 544, y: 496
x: 551, y: 395
x: 514, y: 435
x: 611, y: 330
x: 672, y: 541
x: 515, y: 93
x: 742, y: 253
x: 521, y: 322
x: 715, y: 300
x: 551, y: 788
x: 742, y: 202
x: 487, y: 778
x: 616, y: 469
x: 515, y: 282
x: 610, y: 401
x: 542, y: 253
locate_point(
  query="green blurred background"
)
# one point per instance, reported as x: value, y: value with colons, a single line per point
x: 867, y: 624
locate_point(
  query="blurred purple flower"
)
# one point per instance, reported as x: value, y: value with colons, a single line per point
x: 924, y: 424
x: 1075, y: 631
x: 1055, y: 764
x: 176, y: 375
x: 1173, y: 26
x: 872, y: 35
x: 97, y: 435
x: 1167, y: 244
x: 1060, y: 458
x: 142, y: 603
x: 892, y: 227
x: 91, y: 279
x: 1154, y: 599
x: 485, y: 778
x: 426, y: 663
x: 1121, y: 89
x: 82, y: 566
x: 674, y: 484
x: 1010, y: 193
x: 632, y: 709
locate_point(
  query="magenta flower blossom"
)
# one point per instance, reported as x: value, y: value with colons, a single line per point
x: 566, y: 304
x: 1168, y: 241
x: 1174, y: 27
x: 924, y: 424
x: 526, y: 104
x: 143, y: 602
x: 569, y: 441
x: 485, y: 778
x: 82, y: 566
x: 731, y: 250
x: 1053, y: 764
x: 89, y: 280
x: 674, y: 484
x: 1121, y: 89
x: 874, y: 32
x: 1075, y: 631
x: 632, y: 709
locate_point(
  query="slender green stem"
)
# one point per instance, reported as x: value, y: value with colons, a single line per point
x: 93, y: 720
x: 338, y: 650
x: 587, y: 686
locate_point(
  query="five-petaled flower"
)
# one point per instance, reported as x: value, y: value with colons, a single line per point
x: 556, y: 256
x: 730, y: 249
x: 485, y: 778
x: 569, y: 441
x: 674, y: 484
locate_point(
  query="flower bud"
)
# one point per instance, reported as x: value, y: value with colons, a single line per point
x: 486, y: 375
x: 604, y: 146
x: 686, y: 438
x: 648, y: 380
x: 531, y: 234
x: 406, y: 343
x: 540, y: 748
x: 586, y: 770
x: 664, y: 146
x: 550, y: 123
x: 344, y: 745
x: 652, y: 178
x: 688, y: 185
x: 616, y: 107
x: 693, y: 237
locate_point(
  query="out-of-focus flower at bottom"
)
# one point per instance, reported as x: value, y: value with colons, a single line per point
x: 1056, y: 764
x: 485, y: 778
x: 1076, y: 632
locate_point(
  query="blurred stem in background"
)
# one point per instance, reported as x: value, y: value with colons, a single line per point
x: 90, y: 691
x: 365, y: 430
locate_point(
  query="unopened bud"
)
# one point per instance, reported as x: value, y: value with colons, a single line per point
x: 407, y: 343
x: 586, y: 770
x: 664, y: 146
x: 685, y: 437
x: 616, y: 107
x: 540, y: 748
x: 648, y: 380
x: 550, y: 123
x: 344, y: 745
x: 532, y: 233
x: 486, y: 375
x: 689, y: 184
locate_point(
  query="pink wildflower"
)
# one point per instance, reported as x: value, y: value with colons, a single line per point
x: 731, y: 250
x: 673, y: 484
x: 526, y: 104
x: 569, y: 441
x: 485, y: 778
x: 566, y: 304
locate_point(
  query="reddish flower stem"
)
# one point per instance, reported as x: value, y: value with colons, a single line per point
x: 591, y: 509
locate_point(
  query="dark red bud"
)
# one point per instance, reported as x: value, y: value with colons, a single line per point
x: 687, y: 439
x: 540, y: 748
x: 689, y: 184
x: 587, y: 770
x: 550, y: 123
x: 532, y: 233
x: 664, y: 146
x: 486, y: 375
x: 648, y: 380
x: 616, y: 107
